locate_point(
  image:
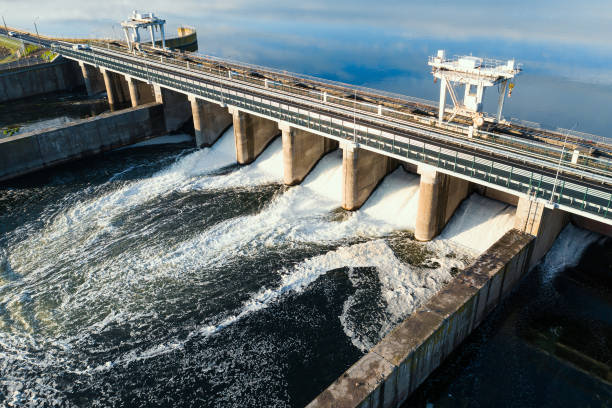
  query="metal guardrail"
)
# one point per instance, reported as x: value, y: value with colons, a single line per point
x: 565, y: 194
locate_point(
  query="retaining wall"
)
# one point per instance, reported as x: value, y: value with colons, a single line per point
x: 396, y: 366
x: 21, y: 154
x: 62, y: 75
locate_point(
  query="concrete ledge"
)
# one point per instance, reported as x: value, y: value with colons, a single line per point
x: 22, y: 154
x: 418, y: 345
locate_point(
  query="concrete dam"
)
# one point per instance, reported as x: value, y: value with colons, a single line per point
x: 292, y: 190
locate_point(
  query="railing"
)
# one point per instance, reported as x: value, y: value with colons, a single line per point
x: 560, y: 192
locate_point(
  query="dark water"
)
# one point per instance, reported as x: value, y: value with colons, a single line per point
x: 549, y: 345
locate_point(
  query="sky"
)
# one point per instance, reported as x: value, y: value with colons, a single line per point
x: 565, y: 46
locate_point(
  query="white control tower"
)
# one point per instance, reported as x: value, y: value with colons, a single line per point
x: 143, y: 20
x: 475, y: 74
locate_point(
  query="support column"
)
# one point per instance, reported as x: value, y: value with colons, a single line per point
x: 362, y: 170
x: 301, y: 151
x: 252, y: 134
x: 110, y: 88
x: 134, y: 96
x: 534, y: 218
x: 500, y: 102
x: 209, y: 121
x: 439, y: 197
x: 86, y: 78
x: 442, y: 100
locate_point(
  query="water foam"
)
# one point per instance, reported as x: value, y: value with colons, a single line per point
x: 478, y: 223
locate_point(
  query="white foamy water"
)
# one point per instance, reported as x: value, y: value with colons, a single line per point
x: 45, y: 124
x: 478, y: 223
x: 567, y: 250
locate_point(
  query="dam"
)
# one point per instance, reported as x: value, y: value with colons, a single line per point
x: 288, y: 235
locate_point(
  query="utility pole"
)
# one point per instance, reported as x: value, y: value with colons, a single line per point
x: 5, y: 27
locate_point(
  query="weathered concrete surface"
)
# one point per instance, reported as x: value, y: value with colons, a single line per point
x: 140, y: 92
x: 439, y: 197
x: 420, y: 343
x: 252, y: 134
x: 209, y: 121
x: 117, y: 89
x: 591, y: 225
x: 301, y: 151
x: 496, y: 194
x: 543, y: 223
x: 63, y: 75
x: 362, y: 170
x: 21, y: 154
x: 177, y: 108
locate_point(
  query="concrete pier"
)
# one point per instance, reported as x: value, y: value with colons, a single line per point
x: 543, y: 223
x: 439, y: 197
x: 362, y: 170
x: 252, y: 134
x: 301, y: 151
x: 117, y: 90
x: 404, y: 358
x: 22, y: 154
x: 87, y: 72
x: 140, y: 92
x: 177, y: 109
x: 209, y: 121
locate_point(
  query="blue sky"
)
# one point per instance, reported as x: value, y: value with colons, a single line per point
x: 565, y: 46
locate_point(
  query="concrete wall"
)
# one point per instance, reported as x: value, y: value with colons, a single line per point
x: 396, y: 366
x: 26, y: 153
x: 20, y: 83
x: 496, y: 194
x: 362, y: 170
x: 301, y: 151
x: 591, y: 225
x: 252, y: 135
x: 543, y: 223
x: 439, y: 197
x: 209, y: 121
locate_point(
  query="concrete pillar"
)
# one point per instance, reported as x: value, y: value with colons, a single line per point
x: 252, y: 134
x: 110, y: 88
x: 177, y: 109
x: 439, y: 197
x: 209, y: 121
x: 134, y: 96
x: 301, y: 151
x: 544, y: 223
x: 87, y: 77
x: 362, y: 170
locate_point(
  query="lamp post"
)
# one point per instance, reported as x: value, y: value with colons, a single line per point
x: 36, y: 28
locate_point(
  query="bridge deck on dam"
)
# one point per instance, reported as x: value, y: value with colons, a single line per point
x: 539, y: 168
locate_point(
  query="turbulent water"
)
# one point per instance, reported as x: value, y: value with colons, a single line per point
x: 161, y: 275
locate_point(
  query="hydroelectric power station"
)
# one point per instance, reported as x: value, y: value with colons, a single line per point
x: 547, y: 178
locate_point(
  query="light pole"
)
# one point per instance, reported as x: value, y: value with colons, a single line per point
x: 5, y: 27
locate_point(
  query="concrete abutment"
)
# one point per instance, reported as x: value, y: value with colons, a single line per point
x: 177, y: 108
x: 362, y: 170
x: 545, y: 224
x: 301, y: 152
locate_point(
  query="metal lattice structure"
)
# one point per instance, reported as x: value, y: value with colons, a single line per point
x: 146, y: 21
x: 475, y: 74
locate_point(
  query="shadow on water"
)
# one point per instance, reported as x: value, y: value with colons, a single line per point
x: 548, y: 345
